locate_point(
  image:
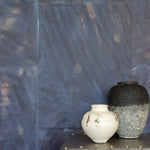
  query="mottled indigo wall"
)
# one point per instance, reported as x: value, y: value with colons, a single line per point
x: 57, y: 57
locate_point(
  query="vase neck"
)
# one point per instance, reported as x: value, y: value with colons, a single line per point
x: 99, y: 107
x: 128, y: 83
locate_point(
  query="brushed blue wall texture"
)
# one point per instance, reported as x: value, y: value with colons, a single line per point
x: 57, y: 57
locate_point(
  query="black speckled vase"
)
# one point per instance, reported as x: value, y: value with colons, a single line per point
x: 130, y: 102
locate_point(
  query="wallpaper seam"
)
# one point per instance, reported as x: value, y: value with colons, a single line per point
x: 37, y: 50
x: 131, y: 48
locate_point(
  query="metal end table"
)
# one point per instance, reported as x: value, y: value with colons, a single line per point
x: 82, y: 142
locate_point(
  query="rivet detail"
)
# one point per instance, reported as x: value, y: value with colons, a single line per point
x: 81, y: 146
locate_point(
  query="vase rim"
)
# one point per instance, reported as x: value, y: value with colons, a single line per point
x: 128, y: 82
x: 99, y: 105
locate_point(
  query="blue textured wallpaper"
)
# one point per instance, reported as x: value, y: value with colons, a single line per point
x: 141, y: 46
x: 18, y: 75
x: 57, y: 57
x: 81, y: 48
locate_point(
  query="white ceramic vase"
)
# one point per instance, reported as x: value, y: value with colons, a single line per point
x: 99, y: 123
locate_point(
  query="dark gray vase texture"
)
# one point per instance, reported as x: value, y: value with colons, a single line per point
x: 130, y: 102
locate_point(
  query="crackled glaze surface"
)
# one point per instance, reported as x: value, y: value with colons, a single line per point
x: 130, y: 102
x: 128, y: 94
x: 132, y: 119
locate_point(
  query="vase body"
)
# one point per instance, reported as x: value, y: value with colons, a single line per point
x: 100, y: 124
x: 130, y: 102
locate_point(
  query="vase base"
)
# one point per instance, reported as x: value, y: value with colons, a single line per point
x: 100, y: 142
x: 128, y: 137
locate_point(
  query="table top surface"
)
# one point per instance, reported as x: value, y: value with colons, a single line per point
x: 80, y: 141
